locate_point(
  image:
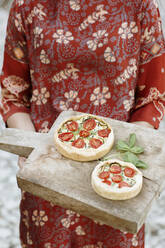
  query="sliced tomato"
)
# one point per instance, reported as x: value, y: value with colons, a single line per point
x: 117, y: 178
x: 72, y: 126
x: 107, y: 182
x: 129, y: 172
x: 95, y: 143
x: 65, y: 136
x: 84, y: 133
x: 89, y: 124
x: 104, y: 174
x: 78, y: 143
x: 123, y: 184
x: 115, y: 168
x: 104, y: 132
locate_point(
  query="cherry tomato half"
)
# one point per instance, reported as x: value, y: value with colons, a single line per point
x: 115, y: 168
x: 104, y: 174
x: 107, y: 182
x: 72, y: 126
x: 89, y: 124
x: 123, y: 184
x: 129, y: 172
x: 117, y: 178
x: 95, y: 143
x: 84, y: 133
x: 65, y: 136
x: 104, y: 132
x: 78, y: 143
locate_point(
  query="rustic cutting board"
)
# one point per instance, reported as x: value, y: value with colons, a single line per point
x: 67, y: 183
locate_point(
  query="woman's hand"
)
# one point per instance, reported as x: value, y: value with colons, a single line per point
x: 21, y: 162
x: 24, y: 122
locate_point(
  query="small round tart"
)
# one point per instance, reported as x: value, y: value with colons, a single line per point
x: 84, y: 138
x: 116, y: 180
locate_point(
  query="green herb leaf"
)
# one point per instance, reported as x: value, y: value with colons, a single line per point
x: 130, y: 157
x: 141, y: 164
x: 132, y: 139
x: 122, y: 146
x: 137, y: 149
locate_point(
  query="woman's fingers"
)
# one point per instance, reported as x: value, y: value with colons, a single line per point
x: 21, y: 161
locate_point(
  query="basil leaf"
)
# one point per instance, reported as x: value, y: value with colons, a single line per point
x: 141, y: 164
x: 137, y: 149
x: 132, y: 139
x: 130, y: 157
x: 122, y: 146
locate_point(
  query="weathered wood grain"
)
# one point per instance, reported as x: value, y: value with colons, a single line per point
x: 67, y: 183
x: 96, y: 208
x: 21, y: 142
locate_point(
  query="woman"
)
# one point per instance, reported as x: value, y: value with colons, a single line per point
x: 103, y: 57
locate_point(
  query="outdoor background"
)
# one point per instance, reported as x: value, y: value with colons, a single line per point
x: 10, y: 194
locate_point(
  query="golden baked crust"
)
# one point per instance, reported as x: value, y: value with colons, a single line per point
x: 87, y: 153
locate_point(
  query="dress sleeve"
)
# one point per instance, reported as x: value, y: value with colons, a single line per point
x: 15, y: 76
x: 150, y: 92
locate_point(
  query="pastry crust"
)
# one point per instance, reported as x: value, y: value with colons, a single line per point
x: 115, y: 193
x: 83, y: 154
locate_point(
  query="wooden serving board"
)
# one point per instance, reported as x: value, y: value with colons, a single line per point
x: 68, y: 183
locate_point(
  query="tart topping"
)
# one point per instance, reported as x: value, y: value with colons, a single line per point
x: 104, y: 174
x: 117, y: 178
x: 115, y: 168
x: 72, y: 126
x: 89, y: 124
x: 84, y: 133
x: 107, y: 182
x: 65, y: 136
x: 104, y: 132
x: 118, y: 175
x: 123, y: 184
x: 95, y: 143
x: 129, y: 172
x: 78, y: 143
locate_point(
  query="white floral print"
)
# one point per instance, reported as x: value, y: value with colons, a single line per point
x: 63, y: 37
x: 98, y: 245
x: 15, y: 84
x: 134, y: 241
x: 38, y: 12
x: 47, y: 245
x: 38, y: 37
x: 69, y: 71
x: 26, y: 219
x: 29, y: 241
x: 131, y: 70
x: 39, y: 217
x: 100, y: 97
x: 75, y: 4
x: 128, y: 104
x: 127, y: 31
x: 148, y: 35
x: 100, y: 39
x: 79, y: 230
x: 18, y: 22
x: 70, y: 97
x: 98, y: 15
x: 40, y: 97
x: 44, y: 127
x: 20, y: 2
x: 44, y: 57
x: 109, y: 55
x: 71, y: 219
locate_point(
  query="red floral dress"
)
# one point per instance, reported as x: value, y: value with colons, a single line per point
x: 104, y: 57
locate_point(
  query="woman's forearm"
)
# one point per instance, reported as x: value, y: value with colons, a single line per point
x: 21, y: 121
